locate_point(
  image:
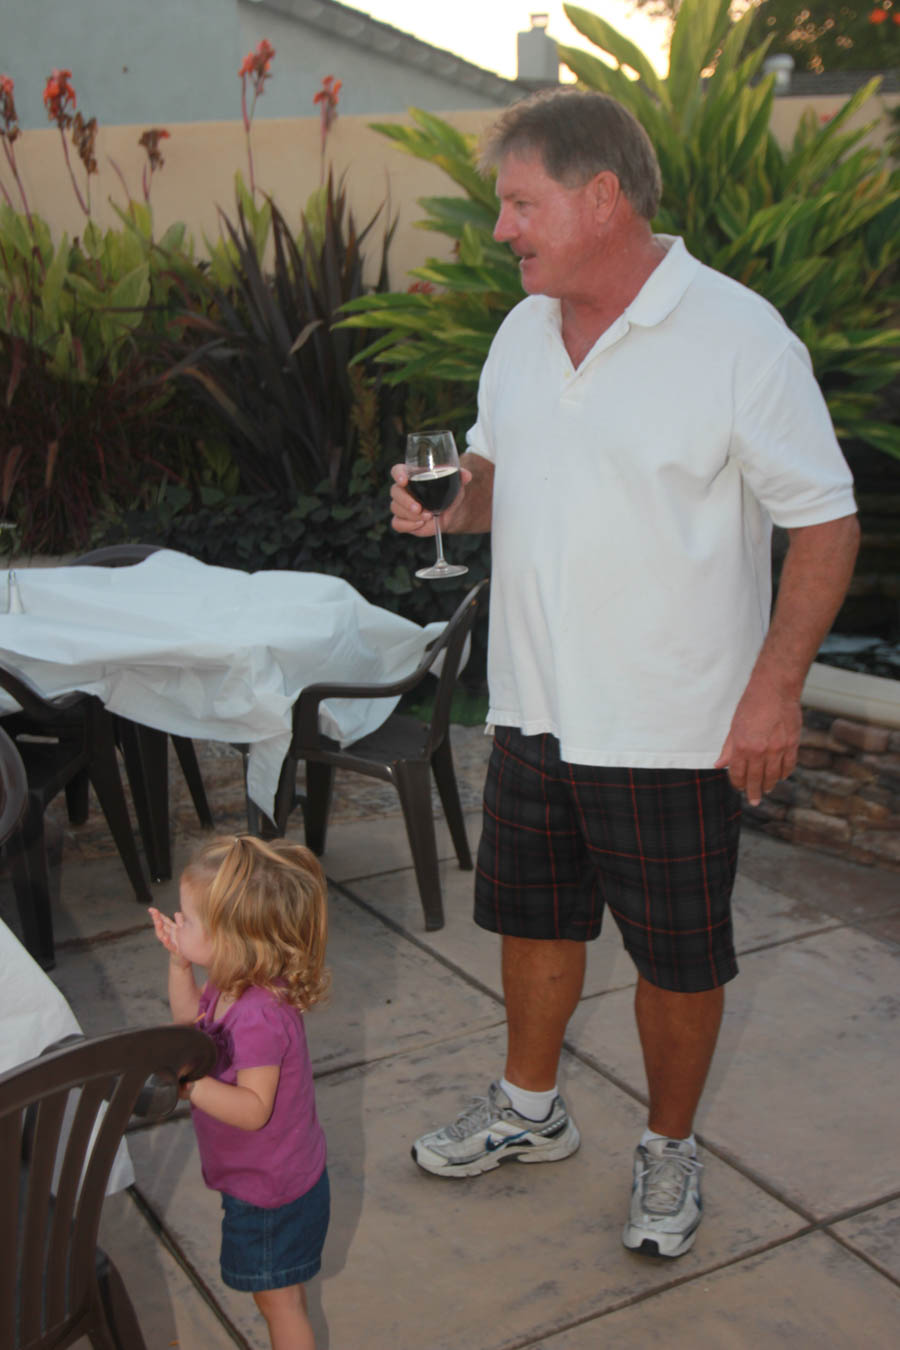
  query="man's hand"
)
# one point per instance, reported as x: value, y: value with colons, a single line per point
x: 411, y: 518
x: 762, y: 742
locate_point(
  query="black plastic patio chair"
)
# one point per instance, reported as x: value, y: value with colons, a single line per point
x: 56, y: 1285
x: 57, y: 740
x: 13, y: 787
x: 403, y: 751
x: 145, y: 751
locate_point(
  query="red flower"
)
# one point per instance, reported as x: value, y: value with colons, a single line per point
x: 878, y: 16
x: 896, y: 18
x: 420, y: 288
x: 258, y: 64
x: 328, y: 96
x: 59, y: 98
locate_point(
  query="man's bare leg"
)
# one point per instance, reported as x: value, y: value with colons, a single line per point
x: 542, y: 983
x: 678, y: 1036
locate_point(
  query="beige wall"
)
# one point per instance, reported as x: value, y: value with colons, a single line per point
x: 203, y: 157
x: 787, y: 112
x: 201, y: 160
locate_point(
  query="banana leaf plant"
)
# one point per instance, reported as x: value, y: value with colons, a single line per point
x: 265, y: 352
x: 813, y: 226
x: 84, y: 423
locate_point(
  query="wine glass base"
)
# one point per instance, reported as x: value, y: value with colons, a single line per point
x: 439, y: 570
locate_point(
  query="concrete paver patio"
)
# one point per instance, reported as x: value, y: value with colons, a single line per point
x: 801, y: 1241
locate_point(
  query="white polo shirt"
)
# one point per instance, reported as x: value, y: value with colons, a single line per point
x: 632, y: 511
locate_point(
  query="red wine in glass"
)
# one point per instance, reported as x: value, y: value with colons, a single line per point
x: 433, y: 467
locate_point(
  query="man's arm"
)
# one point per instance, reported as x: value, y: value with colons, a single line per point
x: 761, y: 746
x: 469, y: 514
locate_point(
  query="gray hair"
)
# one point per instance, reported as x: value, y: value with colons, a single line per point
x: 579, y: 133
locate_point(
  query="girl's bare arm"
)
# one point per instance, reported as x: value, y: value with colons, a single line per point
x: 246, y: 1104
x: 184, y: 995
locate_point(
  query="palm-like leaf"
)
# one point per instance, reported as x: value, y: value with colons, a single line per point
x: 815, y: 227
x: 268, y: 356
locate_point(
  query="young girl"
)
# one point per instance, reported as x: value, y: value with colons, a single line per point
x: 254, y: 915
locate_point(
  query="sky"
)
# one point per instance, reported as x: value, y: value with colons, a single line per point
x: 484, y: 31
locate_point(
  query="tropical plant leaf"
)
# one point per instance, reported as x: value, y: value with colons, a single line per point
x: 603, y: 35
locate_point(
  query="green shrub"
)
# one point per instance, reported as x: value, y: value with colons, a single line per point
x: 262, y: 351
x: 86, y: 422
x: 815, y: 227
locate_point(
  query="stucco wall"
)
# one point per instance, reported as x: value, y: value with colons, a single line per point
x: 786, y: 113
x: 161, y: 61
x: 131, y: 61
x: 202, y: 158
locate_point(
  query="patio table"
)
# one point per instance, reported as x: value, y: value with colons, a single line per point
x: 208, y: 652
x: 33, y: 1016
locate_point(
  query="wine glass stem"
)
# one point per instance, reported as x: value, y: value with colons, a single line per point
x: 440, y: 560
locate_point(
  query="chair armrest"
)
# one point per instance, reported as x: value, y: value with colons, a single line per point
x: 29, y: 697
x: 306, y: 709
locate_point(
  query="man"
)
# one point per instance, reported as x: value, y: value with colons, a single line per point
x: 641, y: 421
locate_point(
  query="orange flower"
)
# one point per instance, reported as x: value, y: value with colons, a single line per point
x: 329, y: 94
x: 59, y: 98
x: 258, y: 64
x: 878, y: 16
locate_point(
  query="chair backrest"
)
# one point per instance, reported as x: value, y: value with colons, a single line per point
x: 13, y: 787
x: 452, y: 643
x: 116, y: 555
x: 48, y: 1227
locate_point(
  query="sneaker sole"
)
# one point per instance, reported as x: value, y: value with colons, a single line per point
x: 639, y: 1241
x: 563, y: 1147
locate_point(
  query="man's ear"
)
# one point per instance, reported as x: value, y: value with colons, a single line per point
x: 606, y: 193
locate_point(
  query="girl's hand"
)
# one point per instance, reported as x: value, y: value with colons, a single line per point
x: 186, y: 1087
x: 166, y: 930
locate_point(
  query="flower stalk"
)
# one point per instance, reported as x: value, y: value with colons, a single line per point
x: 327, y: 98
x: 9, y: 134
x: 256, y: 68
x: 60, y: 101
x: 150, y: 141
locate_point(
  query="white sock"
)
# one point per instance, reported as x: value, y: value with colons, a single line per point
x: 531, y: 1105
x: 649, y: 1135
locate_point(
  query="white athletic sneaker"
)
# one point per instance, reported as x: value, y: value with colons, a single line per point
x: 666, y: 1206
x: 489, y: 1131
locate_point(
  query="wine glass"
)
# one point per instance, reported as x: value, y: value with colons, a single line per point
x: 433, y: 467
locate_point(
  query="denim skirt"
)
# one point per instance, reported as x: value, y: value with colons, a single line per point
x: 272, y: 1248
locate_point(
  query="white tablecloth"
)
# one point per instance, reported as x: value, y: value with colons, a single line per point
x: 34, y: 1014
x: 209, y: 652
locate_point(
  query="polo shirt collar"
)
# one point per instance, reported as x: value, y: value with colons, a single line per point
x: 665, y: 285
x: 658, y: 296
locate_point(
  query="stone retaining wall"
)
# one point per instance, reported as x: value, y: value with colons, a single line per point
x: 844, y: 795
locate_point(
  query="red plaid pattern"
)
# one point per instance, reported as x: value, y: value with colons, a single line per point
x: 657, y: 847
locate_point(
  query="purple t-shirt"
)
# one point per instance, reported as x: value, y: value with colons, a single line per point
x: 283, y: 1160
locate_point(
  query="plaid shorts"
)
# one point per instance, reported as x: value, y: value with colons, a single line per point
x: 658, y: 847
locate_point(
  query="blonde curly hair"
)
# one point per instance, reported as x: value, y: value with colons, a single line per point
x: 264, y: 906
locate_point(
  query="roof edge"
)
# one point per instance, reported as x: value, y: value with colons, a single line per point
x: 353, y: 26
